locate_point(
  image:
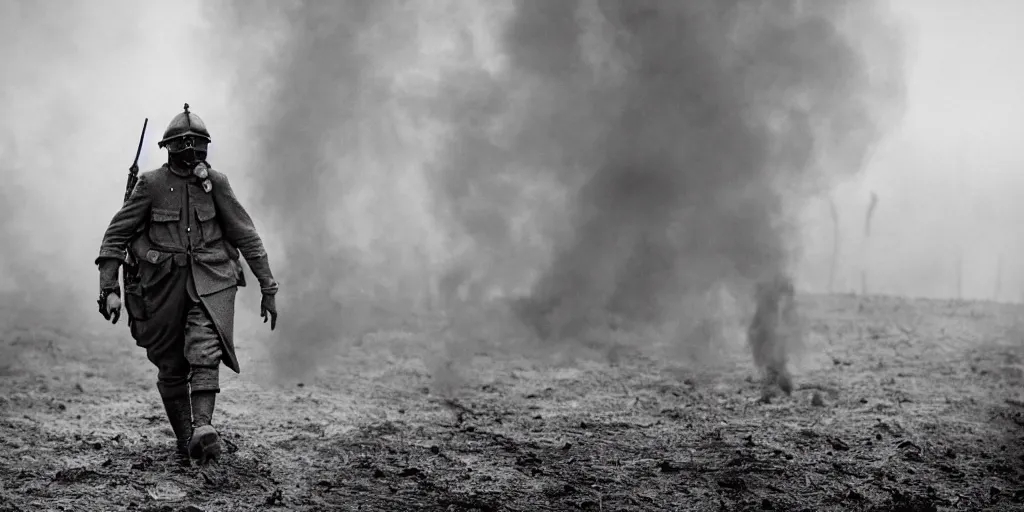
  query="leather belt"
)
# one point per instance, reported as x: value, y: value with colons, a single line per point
x: 180, y: 259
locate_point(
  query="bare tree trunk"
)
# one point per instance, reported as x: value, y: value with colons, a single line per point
x: 867, y: 236
x: 959, y: 276
x: 835, y: 245
x: 999, y: 279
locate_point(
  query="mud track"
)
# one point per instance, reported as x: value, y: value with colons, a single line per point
x: 903, y: 405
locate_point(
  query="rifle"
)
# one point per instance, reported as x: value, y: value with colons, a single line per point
x: 133, y: 171
x: 130, y: 269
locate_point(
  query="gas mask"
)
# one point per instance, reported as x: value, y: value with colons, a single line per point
x: 188, y: 151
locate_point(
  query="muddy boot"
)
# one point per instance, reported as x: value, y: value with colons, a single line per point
x: 179, y: 412
x: 205, y: 443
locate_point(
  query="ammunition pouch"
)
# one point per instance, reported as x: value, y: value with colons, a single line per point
x: 150, y: 268
x: 153, y: 264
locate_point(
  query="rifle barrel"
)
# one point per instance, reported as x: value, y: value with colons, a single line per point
x: 142, y: 138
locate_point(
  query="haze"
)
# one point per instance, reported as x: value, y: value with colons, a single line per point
x: 948, y: 176
x: 81, y: 77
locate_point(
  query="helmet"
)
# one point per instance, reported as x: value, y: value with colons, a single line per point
x: 184, y: 124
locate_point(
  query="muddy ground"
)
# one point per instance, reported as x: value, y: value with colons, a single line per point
x: 903, y: 405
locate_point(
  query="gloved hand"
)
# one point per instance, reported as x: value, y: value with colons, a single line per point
x: 268, y: 306
x: 110, y: 306
x: 110, y: 290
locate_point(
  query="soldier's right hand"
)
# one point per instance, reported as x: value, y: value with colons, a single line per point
x: 111, y: 310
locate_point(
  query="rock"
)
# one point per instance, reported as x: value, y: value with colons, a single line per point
x: 817, y: 400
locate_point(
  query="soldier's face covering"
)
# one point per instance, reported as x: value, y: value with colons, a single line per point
x: 186, y: 152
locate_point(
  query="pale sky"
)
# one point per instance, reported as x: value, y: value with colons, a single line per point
x: 965, y: 77
x: 948, y: 177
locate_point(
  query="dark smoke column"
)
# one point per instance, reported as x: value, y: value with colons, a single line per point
x: 723, y: 116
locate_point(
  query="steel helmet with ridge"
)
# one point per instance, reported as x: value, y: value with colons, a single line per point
x: 185, y: 127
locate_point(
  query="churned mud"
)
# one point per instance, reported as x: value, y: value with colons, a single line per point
x: 900, y: 405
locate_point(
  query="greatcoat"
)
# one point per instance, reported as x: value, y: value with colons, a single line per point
x: 175, y: 224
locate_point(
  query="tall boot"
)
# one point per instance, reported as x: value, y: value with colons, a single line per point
x: 206, y: 443
x: 179, y: 412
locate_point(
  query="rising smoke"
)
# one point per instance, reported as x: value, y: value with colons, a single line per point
x: 331, y: 177
x: 684, y: 136
x: 607, y: 157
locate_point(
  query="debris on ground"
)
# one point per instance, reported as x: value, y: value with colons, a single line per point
x: 883, y: 419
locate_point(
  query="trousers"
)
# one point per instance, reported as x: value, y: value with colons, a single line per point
x: 181, y: 340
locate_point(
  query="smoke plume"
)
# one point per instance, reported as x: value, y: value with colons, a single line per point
x: 681, y: 135
x: 601, y: 158
x: 332, y: 170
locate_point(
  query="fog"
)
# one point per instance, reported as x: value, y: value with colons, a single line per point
x: 948, y: 174
x: 398, y: 157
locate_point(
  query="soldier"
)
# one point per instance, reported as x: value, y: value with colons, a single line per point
x: 184, y: 227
